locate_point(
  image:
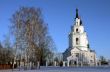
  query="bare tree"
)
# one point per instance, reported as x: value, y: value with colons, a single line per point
x: 8, y: 49
x: 6, y: 52
x: 103, y: 60
x: 31, y: 34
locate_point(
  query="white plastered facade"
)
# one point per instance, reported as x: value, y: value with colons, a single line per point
x: 81, y: 54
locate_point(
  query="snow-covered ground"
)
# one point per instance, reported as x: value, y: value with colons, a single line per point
x: 64, y: 69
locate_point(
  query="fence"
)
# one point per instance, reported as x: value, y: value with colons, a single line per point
x: 5, y: 66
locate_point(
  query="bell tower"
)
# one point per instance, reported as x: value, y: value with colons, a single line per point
x: 79, y: 52
x: 77, y: 36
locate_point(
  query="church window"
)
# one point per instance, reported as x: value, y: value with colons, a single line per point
x: 76, y: 30
x: 77, y: 41
x: 77, y: 54
x: 76, y: 23
x: 91, y: 61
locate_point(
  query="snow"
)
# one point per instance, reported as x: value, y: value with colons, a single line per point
x: 63, y: 69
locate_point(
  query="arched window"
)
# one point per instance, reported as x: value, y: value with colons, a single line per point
x: 77, y: 54
x: 77, y: 41
x: 77, y: 30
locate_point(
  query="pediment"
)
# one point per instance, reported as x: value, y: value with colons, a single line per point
x: 75, y: 50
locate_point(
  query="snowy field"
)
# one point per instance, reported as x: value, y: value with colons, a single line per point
x: 64, y: 69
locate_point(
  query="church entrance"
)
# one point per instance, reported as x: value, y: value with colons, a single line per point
x: 73, y: 63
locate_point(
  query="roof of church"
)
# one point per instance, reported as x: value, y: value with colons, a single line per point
x: 77, y: 15
x: 92, y: 50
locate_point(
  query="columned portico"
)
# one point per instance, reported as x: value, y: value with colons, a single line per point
x: 72, y: 61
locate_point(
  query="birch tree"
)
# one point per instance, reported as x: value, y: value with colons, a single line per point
x: 31, y: 34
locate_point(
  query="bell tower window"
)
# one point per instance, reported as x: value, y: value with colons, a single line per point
x: 77, y: 41
x: 77, y: 30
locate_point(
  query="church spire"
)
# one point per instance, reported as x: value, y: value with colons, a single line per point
x: 77, y: 16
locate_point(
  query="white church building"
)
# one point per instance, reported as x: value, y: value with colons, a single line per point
x: 79, y: 52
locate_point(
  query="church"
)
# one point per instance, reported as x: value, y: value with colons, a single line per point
x: 79, y: 53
